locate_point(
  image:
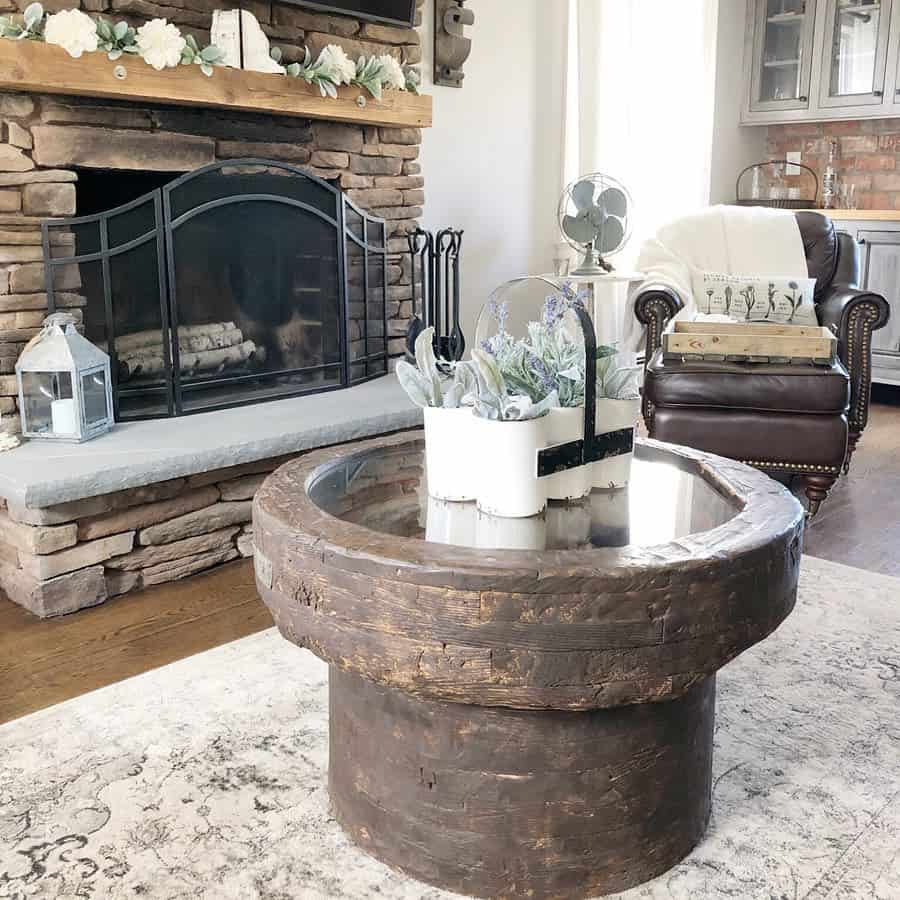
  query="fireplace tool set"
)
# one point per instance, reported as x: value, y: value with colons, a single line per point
x: 435, y: 285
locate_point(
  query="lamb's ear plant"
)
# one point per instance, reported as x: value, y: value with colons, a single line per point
x: 31, y: 28
x: 413, y: 79
x: 368, y: 75
x: 424, y: 383
x: 206, y: 58
x: 116, y: 39
x: 493, y: 400
x: 615, y: 383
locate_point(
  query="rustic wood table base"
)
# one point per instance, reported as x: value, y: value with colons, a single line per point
x: 524, y: 723
x: 515, y: 803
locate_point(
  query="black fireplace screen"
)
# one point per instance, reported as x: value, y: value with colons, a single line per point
x: 244, y: 281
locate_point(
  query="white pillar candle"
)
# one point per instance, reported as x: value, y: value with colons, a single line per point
x: 63, y: 416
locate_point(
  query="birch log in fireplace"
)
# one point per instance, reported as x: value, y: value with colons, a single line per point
x: 242, y: 281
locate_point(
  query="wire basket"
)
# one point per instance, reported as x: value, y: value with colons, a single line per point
x: 778, y: 183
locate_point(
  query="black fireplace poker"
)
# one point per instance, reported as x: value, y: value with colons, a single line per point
x: 436, y: 290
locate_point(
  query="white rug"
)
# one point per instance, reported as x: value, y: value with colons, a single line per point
x: 207, y: 778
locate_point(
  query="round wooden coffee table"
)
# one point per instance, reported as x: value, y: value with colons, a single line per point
x: 535, y: 721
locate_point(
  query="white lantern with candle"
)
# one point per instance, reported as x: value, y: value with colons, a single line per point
x: 64, y: 384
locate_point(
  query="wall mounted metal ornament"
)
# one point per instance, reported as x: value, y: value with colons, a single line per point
x: 436, y: 291
x: 451, y: 46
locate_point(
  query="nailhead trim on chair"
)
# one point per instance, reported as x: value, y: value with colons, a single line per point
x: 793, y: 467
x: 658, y: 309
x: 869, y: 315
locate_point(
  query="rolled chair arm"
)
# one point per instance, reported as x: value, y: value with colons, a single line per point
x: 853, y: 314
x: 654, y: 306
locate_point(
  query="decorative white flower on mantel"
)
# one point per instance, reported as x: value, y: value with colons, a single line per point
x: 392, y: 75
x: 160, y: 44
x: 72, y: 30
x: 335, y: 61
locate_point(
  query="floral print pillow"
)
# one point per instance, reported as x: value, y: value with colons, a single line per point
x: 756, y: 298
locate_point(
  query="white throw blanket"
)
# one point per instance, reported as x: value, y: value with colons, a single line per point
x: 734, y: 240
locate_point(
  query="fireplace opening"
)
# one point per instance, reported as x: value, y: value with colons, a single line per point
x: 100, y: 190
x: 244, y: 281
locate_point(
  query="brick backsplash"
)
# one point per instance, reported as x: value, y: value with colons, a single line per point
x: 868, y: 155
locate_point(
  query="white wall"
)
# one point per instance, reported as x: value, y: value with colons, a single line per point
x: 734, y: 146
x: 492, y: 159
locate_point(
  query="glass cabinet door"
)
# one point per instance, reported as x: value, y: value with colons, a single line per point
x: 856, y: 37
x: 782, y: 51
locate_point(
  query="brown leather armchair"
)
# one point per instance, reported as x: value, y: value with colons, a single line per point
x: 800, y: 418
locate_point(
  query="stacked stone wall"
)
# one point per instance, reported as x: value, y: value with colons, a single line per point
x: 45, y: 140
x: 67, y: 557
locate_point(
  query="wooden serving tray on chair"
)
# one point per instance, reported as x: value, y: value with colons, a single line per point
x: 752, y: 342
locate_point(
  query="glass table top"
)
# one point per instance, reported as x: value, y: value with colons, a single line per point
x: 386, y: 491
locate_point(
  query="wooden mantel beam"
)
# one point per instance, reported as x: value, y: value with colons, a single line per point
x: 46, y: 69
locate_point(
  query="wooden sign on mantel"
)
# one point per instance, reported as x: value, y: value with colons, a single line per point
x: 46, y: 69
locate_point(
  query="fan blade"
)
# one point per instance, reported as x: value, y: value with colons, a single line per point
x: 579, y: 228
x: 610, y: 235
x: 583, y: 195
x: 613, y: 202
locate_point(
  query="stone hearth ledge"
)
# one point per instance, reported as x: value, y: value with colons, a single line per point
x: 40, y: 474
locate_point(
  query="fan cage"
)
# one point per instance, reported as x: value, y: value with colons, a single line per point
x: 774, y: 184
x: 602, y: 182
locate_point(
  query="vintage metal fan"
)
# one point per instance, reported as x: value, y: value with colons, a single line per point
x: 594, y: 215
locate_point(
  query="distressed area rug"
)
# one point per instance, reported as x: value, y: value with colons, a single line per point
x: 207, y: 778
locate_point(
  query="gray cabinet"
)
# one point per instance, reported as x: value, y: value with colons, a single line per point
x: 854, y: 53
x: 782, y: 55
x: 879, y: 257
x: 821, y: 60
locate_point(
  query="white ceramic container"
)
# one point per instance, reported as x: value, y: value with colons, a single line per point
x: 451, y: 522
x: 506, y: 454
x: 502, y: 533
x: 568, y: 525
x: 613, y: 415
x: 566, y: 424
x: 449, y: 446
x: 610, y: 517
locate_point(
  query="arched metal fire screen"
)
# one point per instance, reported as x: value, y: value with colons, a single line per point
x: 243, y: 281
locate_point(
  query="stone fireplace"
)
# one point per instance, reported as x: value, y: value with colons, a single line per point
x: 94, y: 523
x: 64, y: 156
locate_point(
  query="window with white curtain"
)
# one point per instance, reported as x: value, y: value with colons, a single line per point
x: 640, y: 97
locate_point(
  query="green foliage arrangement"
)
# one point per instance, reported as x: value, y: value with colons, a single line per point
x: 80, y: 33
x: 427, y: 385
x: 495, y: 398
x: 31, y: 28
x: 116, y: 39
x: 206, y: 58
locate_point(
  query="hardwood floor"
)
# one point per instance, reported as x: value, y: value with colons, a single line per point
x: 46, y: 661
x: 859, y: 523
x: 43, y: 662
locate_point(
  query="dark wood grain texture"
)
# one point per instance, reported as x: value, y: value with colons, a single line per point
x: 456, y: 674
x: 567, y: 629
x: 512, y: 803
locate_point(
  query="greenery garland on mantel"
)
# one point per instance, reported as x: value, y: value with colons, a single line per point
x: 161, y: 45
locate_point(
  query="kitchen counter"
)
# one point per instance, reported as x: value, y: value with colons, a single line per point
x: 862, y: 215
